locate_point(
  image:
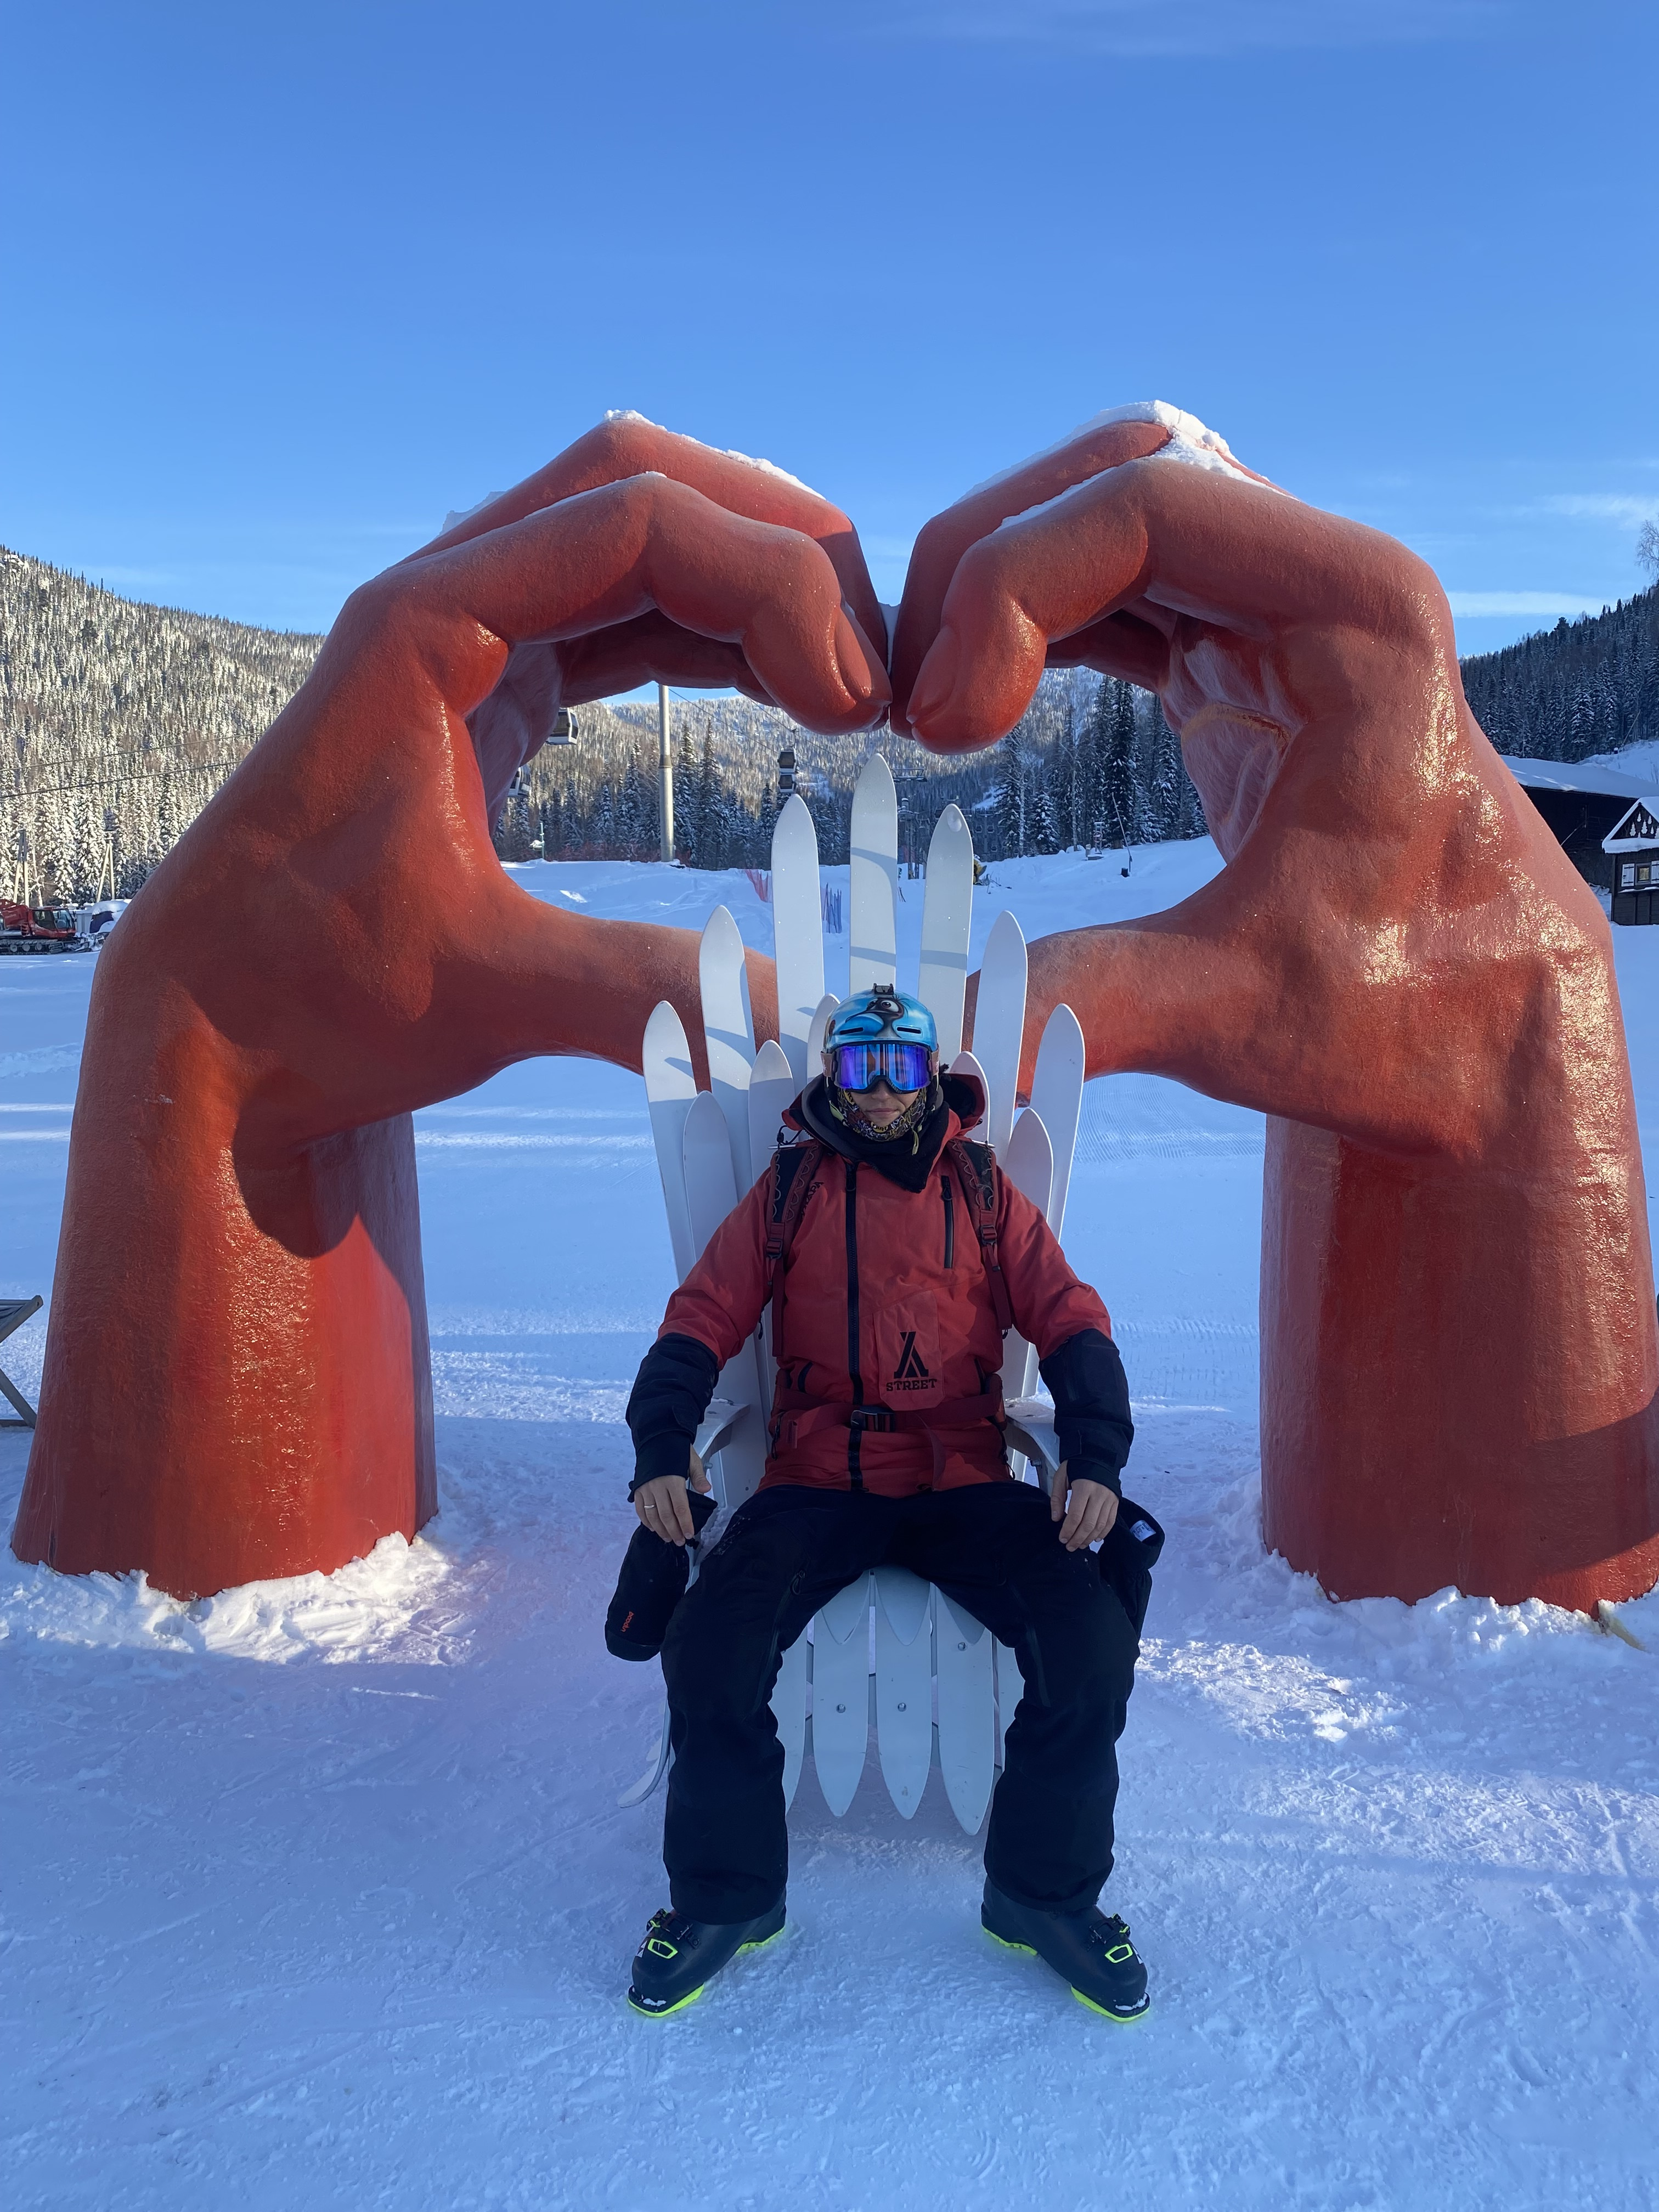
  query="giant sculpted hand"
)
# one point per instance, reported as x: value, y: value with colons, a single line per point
x: 1397, y: 965
x: 236, y: 1380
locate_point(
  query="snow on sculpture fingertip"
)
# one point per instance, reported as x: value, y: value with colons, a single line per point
x: 1190, y: 441
x: 631, y: 415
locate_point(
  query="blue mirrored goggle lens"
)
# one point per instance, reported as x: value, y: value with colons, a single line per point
x: 856, y: 1067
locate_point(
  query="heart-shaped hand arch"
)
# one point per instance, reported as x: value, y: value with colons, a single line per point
x: 1397, y: 964
x: 236, y: 1380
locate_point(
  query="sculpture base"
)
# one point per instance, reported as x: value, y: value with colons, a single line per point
x: 219, y: 1406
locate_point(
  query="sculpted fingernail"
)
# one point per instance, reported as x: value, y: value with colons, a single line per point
x: 936, y: 678
x: 852, y: 661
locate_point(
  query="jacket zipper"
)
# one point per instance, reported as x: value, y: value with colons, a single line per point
x: 950, y: 1222
x: 854, y: 1433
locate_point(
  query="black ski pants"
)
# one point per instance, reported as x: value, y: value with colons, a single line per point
x: 994, y: 1550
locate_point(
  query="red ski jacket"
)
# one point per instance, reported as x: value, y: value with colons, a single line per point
x: 887, y: 1307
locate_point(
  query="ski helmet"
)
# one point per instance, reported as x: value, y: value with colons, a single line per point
x: 881, y: 1015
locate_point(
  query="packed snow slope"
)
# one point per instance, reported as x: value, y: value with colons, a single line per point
x: 317, y: 1894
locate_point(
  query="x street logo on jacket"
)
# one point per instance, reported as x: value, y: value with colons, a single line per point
x: 911, y: 1373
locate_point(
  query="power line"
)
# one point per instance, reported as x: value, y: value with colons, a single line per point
x: 109, y: 782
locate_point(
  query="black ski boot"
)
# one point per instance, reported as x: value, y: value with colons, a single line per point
x: 1088, y: 1949
x: 679, y: 1957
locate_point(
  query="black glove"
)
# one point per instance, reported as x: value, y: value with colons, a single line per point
x: 1128, y: 1554
x: 650, y: 1584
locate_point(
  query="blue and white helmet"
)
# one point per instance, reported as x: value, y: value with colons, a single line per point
x: 882, y: 1015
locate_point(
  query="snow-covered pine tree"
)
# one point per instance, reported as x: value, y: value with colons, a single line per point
x: 1117, y: 710
x: 1009, y: 815
x: 685, y: 801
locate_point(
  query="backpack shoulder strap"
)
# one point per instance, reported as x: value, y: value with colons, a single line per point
x: 980, y: 1179
x: 793, y: 1168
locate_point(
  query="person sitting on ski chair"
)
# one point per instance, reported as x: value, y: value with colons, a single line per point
x: 895, y: 1255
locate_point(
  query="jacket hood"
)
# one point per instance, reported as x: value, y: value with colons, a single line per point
x: 964, y: 1103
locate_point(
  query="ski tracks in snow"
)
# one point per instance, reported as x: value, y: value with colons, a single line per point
x: 317, y: 1892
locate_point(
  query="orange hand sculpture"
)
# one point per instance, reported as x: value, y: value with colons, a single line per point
x: 236, y: 1378
x: 1398, y: 965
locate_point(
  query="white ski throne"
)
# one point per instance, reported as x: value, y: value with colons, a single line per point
x: 890, y: 1649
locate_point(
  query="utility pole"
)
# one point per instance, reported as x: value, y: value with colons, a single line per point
x: 665, y: 774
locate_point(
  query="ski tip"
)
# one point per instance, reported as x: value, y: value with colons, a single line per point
x: 875, y: 781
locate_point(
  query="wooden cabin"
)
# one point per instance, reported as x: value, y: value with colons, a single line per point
x: 1632, y: 847
x: 1584, y: 802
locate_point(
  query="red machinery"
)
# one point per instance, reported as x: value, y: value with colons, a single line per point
x: 40, y: 929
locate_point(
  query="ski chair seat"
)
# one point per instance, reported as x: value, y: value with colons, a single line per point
x: 14, y: 1312
x: 890, y: 1650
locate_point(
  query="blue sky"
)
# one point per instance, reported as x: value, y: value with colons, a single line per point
x: 283, y: 285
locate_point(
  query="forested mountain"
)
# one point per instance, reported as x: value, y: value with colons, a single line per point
x: 118, y: 721
x: 1586, y: 687
x: 118, y: 724
x: 1091, y: 763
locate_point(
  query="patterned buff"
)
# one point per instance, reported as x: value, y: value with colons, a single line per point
x: 911, y: 1123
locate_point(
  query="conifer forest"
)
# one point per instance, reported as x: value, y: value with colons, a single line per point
x: 119, y: 720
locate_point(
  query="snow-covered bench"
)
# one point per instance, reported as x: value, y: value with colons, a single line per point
x: 890, y: 1649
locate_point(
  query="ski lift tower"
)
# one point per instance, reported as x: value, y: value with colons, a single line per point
x: 665, y: 775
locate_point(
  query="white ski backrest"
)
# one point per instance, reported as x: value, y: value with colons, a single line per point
x: 772, y: 1087
x: 728, y: 1031
x: 965, y: 1064
x: 1029, y: 1165
x: 1057, y: 1094
x: 999, y: 1024
x: 967, y: 1711
x: 1028, y: 1159
x: 670, y: 1088
x: 710, y: 1191
x: 797, y: 930
x: 827, y: 1006
x: 947, y: 921
x: 873, y: 953
x: 841, y: 1692
x: 902, y: 1597
x: 789, y: 1704
x: 903, y: 1685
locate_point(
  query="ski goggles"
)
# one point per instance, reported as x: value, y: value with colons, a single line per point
x: 856, y: 1067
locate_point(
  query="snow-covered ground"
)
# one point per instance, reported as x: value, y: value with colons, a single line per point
x: 272, y: 1939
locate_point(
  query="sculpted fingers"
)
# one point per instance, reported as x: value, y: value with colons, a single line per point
x: 1104, y: 444
x: 1037, y: 578
x: 604, y: 559
x: 626, y: 445
x: 650, y: 649
x: 1132, y: 554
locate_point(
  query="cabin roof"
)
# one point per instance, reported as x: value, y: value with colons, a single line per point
x: 1636, y: 831
x: 1576, y: 775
